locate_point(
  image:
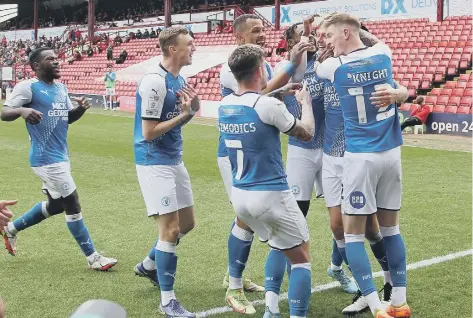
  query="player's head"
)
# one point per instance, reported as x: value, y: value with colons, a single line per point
x: 247, y: 65
x: 342, y: 31
x: 45, y: 64
x: 177, y: 44
x: 110, y: 67
x: 321, y: 32
x: 249, y: 29
x: 293, y: 36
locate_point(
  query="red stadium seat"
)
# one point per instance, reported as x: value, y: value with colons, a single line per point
x: 461, y: 84
x: 466, y: 101
x: 436, y: 91
x: 463, y: 110
x: 451, y: 109
x: 454, y: 101
x: 405, y: 107
x: 467, y: 92
x: 458, y: 92
x: 442, y: 100
x: 431, y: 99
x: 446, y: 92
x: 439, y: 109
x: 450, y: 84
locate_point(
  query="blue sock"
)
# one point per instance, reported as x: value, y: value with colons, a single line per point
x: 274, y: 271
x: 300, y: 289
x: 379, y: 251
x: 152, y: 251
x: 35, y: 215
x: 341, y: 246
x: 359, y: 262
x: 239, y: 246
x: 396, y: 252
x: 166, y: 263
x: 81, y: 233
x: 288, y: 269
x: 337, y: 258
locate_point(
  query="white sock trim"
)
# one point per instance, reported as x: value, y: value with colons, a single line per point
x: 335, y: 267
x: 44, y: 209
x: 373, y: 301
x: 235, y: 283
x: 398, y: 296
x: 149, y: 264
x: 12, y: 229
x: 341, y: 243
x: 167, y: 247
x: 389, y: 231
x: 354, y: 238
x: 377, y: 238
x: 307, y: 266
x: 74, y: 217
x: 242, y: 234
x: 272, y: 301
x: 167, y: 296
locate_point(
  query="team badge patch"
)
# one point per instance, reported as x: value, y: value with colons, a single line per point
x: 295, y: 189
x: 357, y: 199
x: 166, y: 201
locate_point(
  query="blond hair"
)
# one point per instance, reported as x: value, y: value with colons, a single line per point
x: 168, y: 37
x: 342, y: 18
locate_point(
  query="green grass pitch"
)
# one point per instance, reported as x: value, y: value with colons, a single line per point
x: 49, y: 276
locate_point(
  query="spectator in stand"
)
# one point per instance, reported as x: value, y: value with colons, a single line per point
x: 282, y: 46
x: 146, y: 34
x: 110, y: 52
x: 122, y: 57
x: 138, y: 34
x: 419, y: 115
x: 118, y: 39
x: 219, y: 28
x: 90, y: 51
x: 109, y: 80
x: 228, y: 28
x: 153, y: 34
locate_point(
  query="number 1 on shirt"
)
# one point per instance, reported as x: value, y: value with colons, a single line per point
x: 236, y: 144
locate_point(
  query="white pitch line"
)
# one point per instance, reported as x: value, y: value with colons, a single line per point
x: 432, y: 148
x: 320, y: 288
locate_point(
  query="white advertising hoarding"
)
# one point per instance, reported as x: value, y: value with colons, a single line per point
x: 364, y: 9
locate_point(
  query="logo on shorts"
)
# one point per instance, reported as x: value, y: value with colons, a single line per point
x: 357, y: 199
x: 65, y: 186
x: 295, y: 189
x: 166, y: 201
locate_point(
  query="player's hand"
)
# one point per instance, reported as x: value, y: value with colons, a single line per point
x: 308, y: 20
x: 83, y: 102
x: 298, y: 50
x: 187, y: 95
x: 303, y: 95
x: 190, y: 91
x: 383, y: 96
x: 327, y: 53
x: 291, y: 89
x: 5, y: 213
x: 31, y: 116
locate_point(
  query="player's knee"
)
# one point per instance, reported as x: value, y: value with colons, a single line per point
x: 304, y: 207
x: 170, y: 233
x: 187, y: 227
x: 71, y: 204
x: 54, y: 207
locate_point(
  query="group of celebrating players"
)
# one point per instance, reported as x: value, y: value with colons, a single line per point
x: 334, y: 96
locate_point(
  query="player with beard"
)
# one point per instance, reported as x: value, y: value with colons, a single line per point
x: 249, y: 29
x: 309, y: 154
x: 48, y: 111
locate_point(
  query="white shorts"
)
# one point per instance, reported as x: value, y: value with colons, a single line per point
x: 226, y: 172
x: 302, y: 167
x: 332, y: 175
x: 110, y: 91
x: 372, y: 181
x: 57, y: 179
x: 273, y: 215
x: 165, y: 189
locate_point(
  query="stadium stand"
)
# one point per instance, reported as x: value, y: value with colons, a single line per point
x: 429, y: 58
